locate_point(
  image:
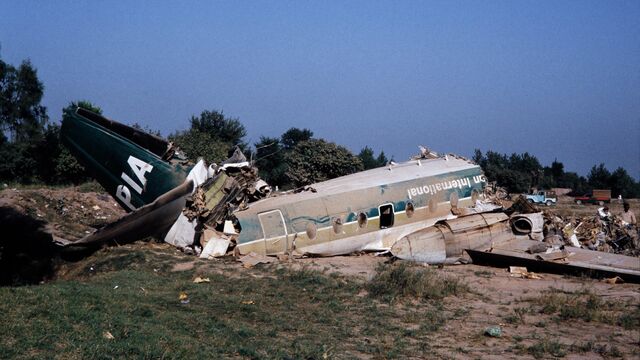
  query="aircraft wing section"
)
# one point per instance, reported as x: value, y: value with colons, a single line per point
x: 570, y: 260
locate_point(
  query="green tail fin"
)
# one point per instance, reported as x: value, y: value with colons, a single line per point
x: 127, y: 162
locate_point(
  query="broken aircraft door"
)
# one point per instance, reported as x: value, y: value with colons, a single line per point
x: 274, y: 230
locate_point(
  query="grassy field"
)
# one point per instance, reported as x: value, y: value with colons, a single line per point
x: 124, y: 303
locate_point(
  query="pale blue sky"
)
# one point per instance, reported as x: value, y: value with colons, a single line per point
x: 559, y: 79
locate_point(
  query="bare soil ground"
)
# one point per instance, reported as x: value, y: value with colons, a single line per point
x: 515, y: 304
x: 556, y: 316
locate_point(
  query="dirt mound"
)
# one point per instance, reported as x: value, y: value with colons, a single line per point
x: 68, y: 213
x: 30, y: 220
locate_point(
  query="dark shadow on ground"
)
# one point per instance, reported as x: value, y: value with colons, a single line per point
x: 27, y: 251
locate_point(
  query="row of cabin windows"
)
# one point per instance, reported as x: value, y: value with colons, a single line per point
x: 387, y: 218
x: 386, y: 215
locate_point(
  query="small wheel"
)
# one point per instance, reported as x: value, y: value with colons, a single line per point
x: 530, y: 201
x: 549, y: 202
x: 579, y: 202
x: 600, y: 202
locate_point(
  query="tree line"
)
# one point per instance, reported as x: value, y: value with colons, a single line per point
x: 520, y: 173
x: 32, y: 153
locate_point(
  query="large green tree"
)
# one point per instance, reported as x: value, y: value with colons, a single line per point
x: 517, y: 173
x: 22, y: 122
x: 369, y: 161
x: 293, y: 136
x: 22, y: 116
x: 211, y: 136
x: 317, y: 160
x: 599, y: 177
x: 270, y: 161
x: 622, y: 183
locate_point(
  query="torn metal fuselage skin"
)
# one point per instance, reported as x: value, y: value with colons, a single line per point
x: 448, y: 239
x: 366, y: 211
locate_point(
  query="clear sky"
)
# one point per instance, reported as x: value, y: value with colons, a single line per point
x: 559, y: 79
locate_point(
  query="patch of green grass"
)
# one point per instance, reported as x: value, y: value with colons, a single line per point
x: 586, y: 306
x: 90, y: 186
x: 543, y: 347
x: 518, y: 316
x: 265, y: 312
x: 630, y: 319
x: 397, y: 282
x: 604, y: 350
x: 484, y: 273
x: 582, y: 347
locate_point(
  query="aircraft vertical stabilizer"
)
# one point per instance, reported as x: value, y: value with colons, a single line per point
x: 131, y: 165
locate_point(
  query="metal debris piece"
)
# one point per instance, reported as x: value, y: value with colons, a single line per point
x: 183, y: 297
x: 614, y: 280
x: 530, y: 224
x: 214, y: 244
x: 537, y: 248
x: 449, y: 238
x: 493, y: 331
x: 554, y: 255
x: 252, y: 259
x: 581, y: 261
x: 522, y: 272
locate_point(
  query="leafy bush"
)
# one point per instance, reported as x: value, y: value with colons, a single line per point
x: 401, y: 281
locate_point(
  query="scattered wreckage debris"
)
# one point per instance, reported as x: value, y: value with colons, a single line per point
x: 252, y: 259
x: 200, y: 280
x: 606, y: 233
x: 430, y: 209
x: 522, y: 272
x: 551, y: 245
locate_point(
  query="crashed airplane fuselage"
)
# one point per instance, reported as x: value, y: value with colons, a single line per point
x: 369, y: 210
x: 421, y: 210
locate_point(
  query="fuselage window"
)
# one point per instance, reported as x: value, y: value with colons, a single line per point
x: 409, y: 209
x: 474, y: 196
x: 337, y: 225
x: 453, y: 200
x: 386, y: 216
x: 362, y: 220
x: 312, y: 230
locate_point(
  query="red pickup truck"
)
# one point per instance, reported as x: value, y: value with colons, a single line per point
x: 597, y: 197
